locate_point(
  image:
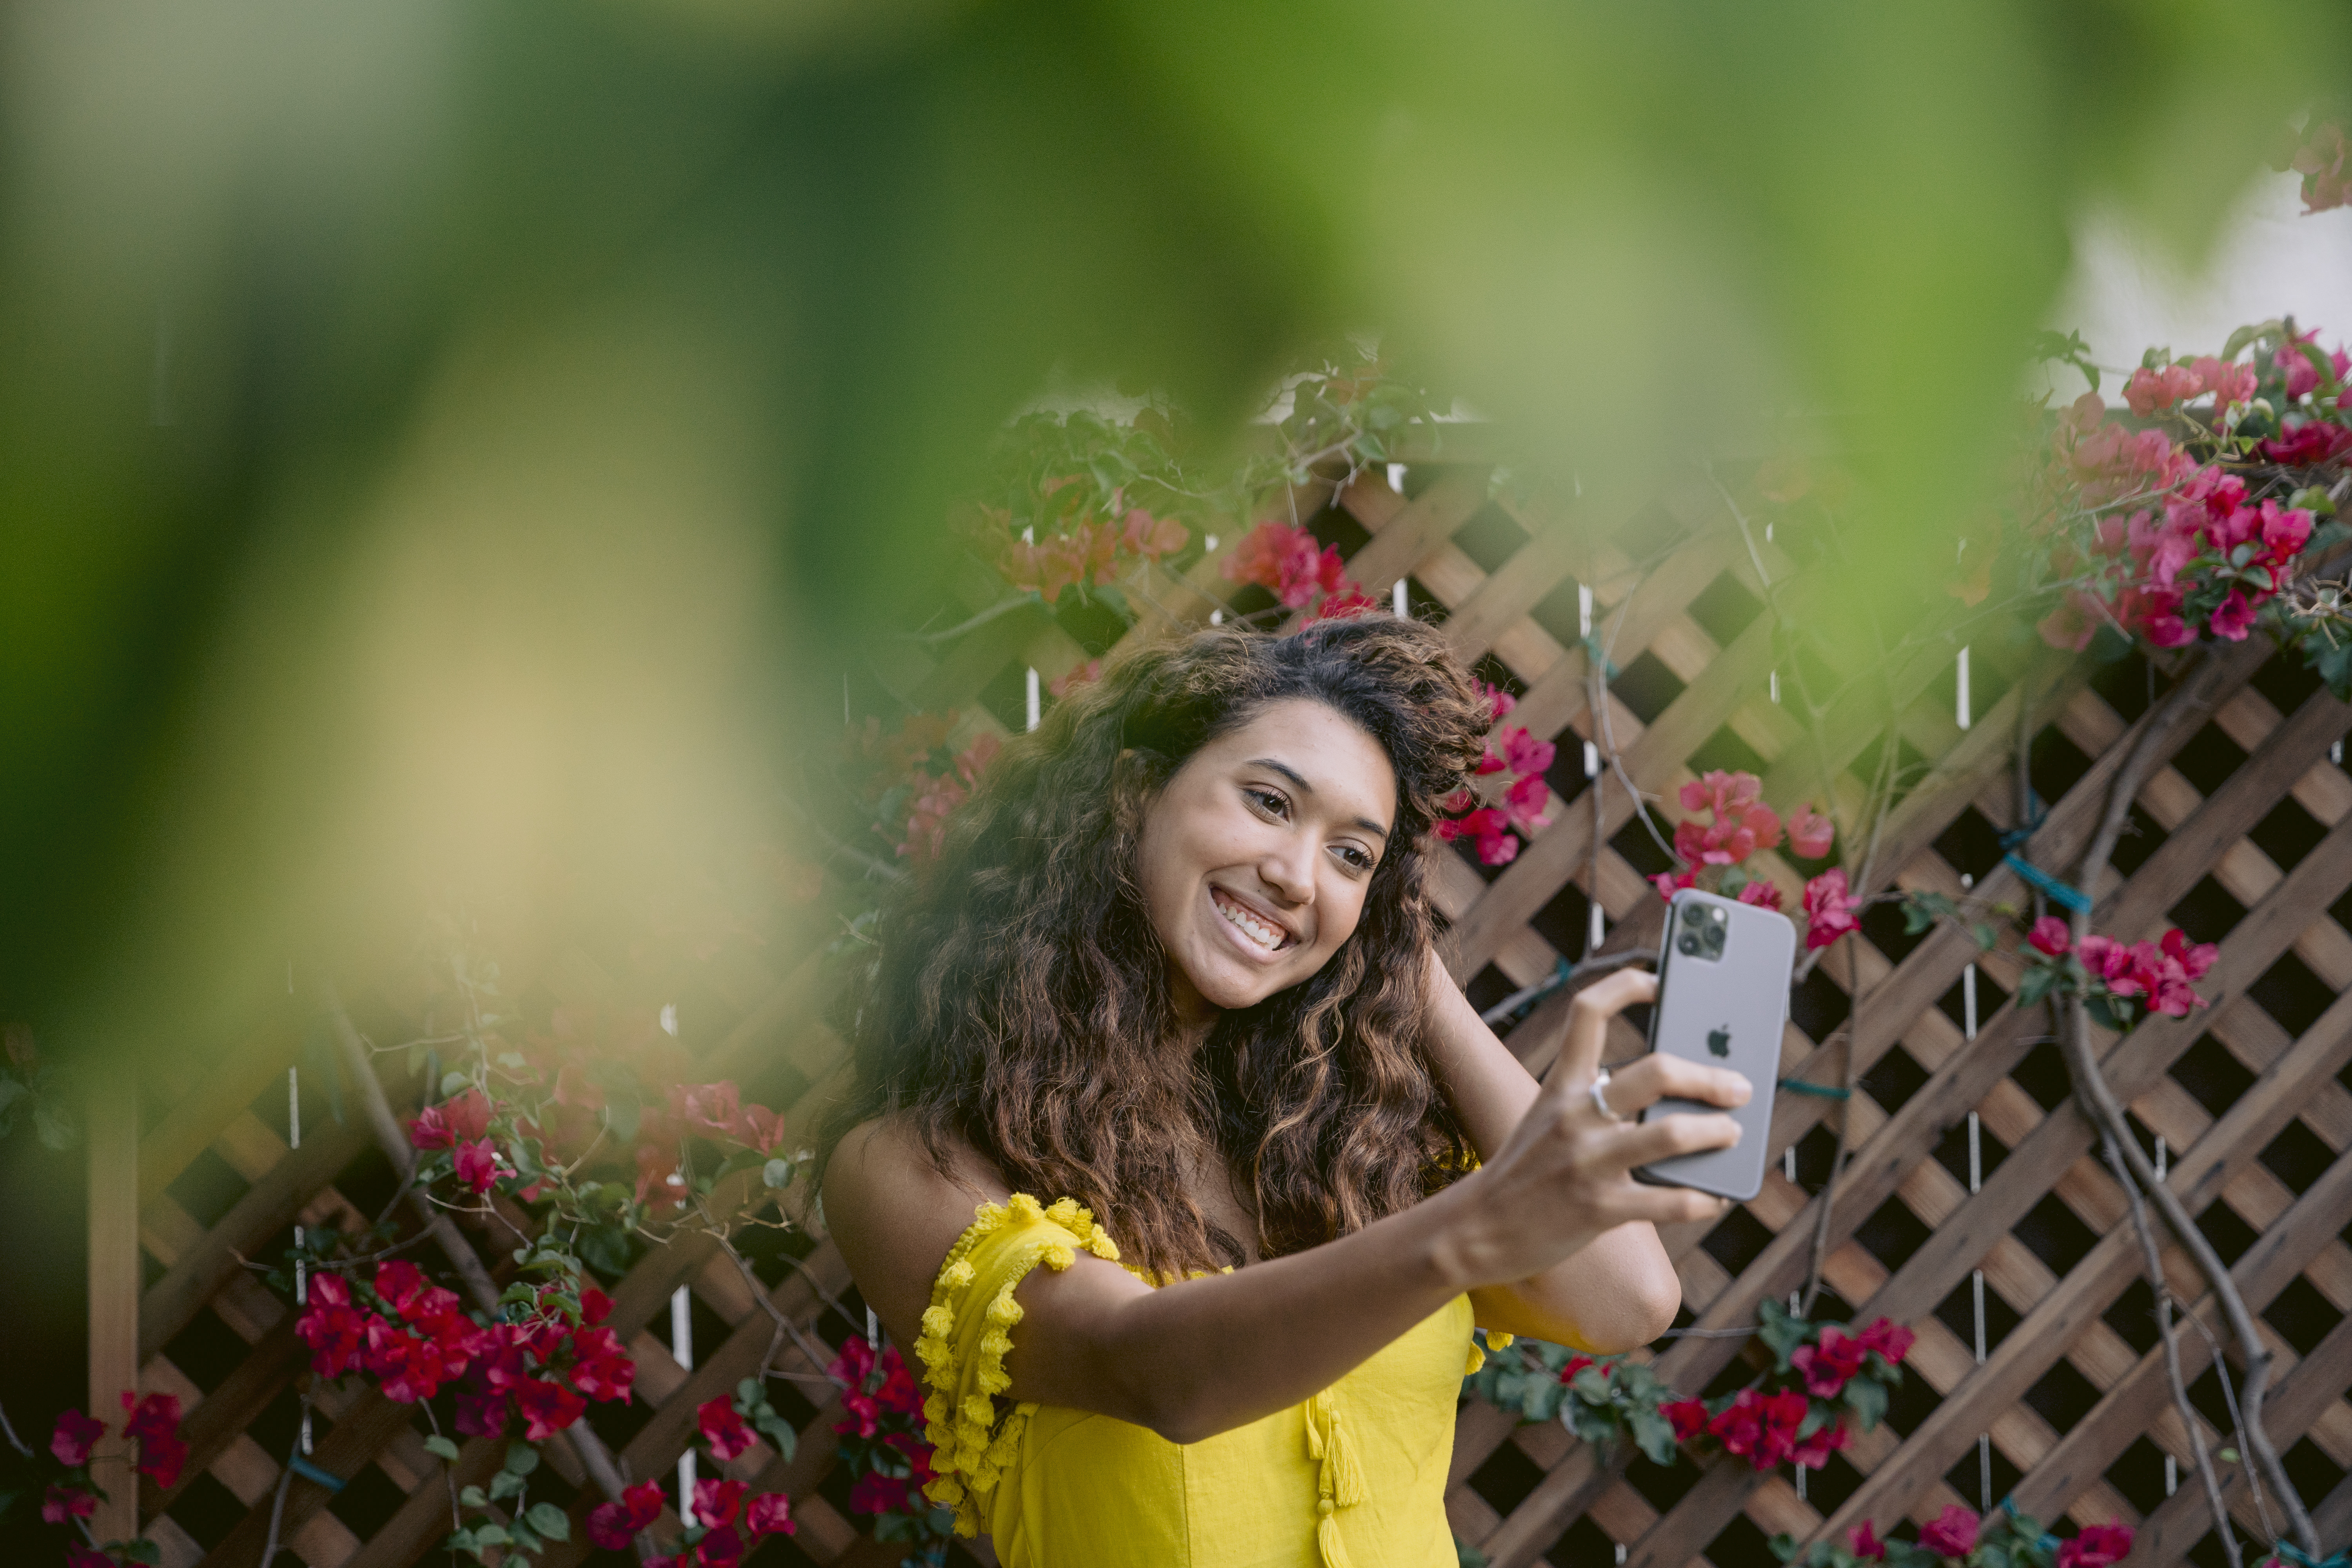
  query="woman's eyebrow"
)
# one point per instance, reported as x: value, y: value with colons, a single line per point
x: 1286, y: 771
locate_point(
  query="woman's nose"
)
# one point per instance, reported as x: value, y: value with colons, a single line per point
x: 1290, y: 872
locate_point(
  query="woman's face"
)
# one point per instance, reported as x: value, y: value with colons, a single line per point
x: 1256, y: 857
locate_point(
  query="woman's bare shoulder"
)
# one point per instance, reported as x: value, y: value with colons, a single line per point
x: 895, y: 1214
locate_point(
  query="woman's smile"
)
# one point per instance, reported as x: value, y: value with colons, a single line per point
x: 1260, y: 933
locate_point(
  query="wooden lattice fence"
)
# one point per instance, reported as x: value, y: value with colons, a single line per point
x: 2243, y: 837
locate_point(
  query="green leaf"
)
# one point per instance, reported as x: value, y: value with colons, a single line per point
x: 473, y: 1497
x: 525, y: 1538
x: 776, y: 1174
x: 1783, y: 1546
x: 2229, y: 1456
x: 493, y: 1535
x: 522, y: 1458
x: 142, y: 1550
x: 2035, y: 984
x: 453, y: 1083
x: 1782, y: 1332
x: 437, y: 1444
x: 1652, y: 1434
x: 550, y: 1520
x: 506, y: 1484
x: 779, y: 1432
x: 1867, y: 1399
x: 1986, y: 939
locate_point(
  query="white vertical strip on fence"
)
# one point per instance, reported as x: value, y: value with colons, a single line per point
x: 681, y: 1347
x: 1398, y: 601
x: 1962, y: 714
x: 294, y: 1140
x: 1030, y: 700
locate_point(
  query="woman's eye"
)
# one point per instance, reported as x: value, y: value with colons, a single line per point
x: 1356, y: 859
x: 1266, y: 801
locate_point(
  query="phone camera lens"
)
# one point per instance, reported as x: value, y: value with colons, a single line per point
x: 1689, y: 944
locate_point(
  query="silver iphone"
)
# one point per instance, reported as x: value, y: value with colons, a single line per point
x: 1723, y: 1000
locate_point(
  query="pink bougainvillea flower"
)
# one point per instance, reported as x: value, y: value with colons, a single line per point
x: 59, y: 1504
x: 1498, y: 848
x: 1762, y: 894
x: 1829, y: 909
x: 1865, y: 1542
x: 1951, y: 1533
x: 74, y: 1435
x: 2232, y: 618
x: 2229, y: 383
x: 2098, y: 1546
x: 1087, y: 674
x: 331, y: 1326
x: 2051, y: 935
x: 723, y: 1427
x: 1887, y: 1338
x: 2286, y: 530
x: 154, y: 1420
x: 601, y: 1368
x: 1152, y: 537
x: 1346, y: 602
x: 769, y: 1513
x: 400, y: 1283
x: 1760, y: 1427
x: 713, y: 1108
x: 722, y: 1548
x: 1670, y: 883
x: 1500, y: 702
x: 1689, y: 1418
x: 1809, y: 833
x: 1258, y: 557
x: 1814, y: 1450
x: 760, y: 1128
x: 1524, y: 801
x: 477, y: 1166
x: 81, y: 1556
x: 2302, y: 376
x: 614, y: 1525
x: 2312, y: 442
x: 1826, y: 1366
x: 2150, y: 390
x: 452, y: 1121
x: 1490, y: 763
x: 715, y: 1501
x: 2194, y: 958
x: 1525, y: 754
x: 547, y: 1407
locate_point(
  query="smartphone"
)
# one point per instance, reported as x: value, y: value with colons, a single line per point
x: 1723, y: 999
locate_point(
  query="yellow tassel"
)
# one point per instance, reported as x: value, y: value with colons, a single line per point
x: 1342, y: 1479
x: 1326, y: 1537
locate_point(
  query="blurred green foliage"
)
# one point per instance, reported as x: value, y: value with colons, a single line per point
x: 408, y: 394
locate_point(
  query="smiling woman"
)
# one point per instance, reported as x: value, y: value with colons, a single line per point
x: 1166, y: 1014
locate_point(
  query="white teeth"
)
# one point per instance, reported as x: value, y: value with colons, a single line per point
x: 1257, y: 931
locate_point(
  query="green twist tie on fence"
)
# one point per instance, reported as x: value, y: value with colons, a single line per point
x: 1819, y: 1090
x: 2059, y: 892
x: 2291, y: 1553
x: 310, y: 1472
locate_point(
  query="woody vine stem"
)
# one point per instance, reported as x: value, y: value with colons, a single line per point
x: 2195, y: 691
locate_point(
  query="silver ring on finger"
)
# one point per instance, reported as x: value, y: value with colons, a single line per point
x: 1601, y: 1097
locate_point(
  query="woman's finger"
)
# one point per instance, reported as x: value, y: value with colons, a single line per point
x: 1665, y: 1137
x: 1656, y: 1078
x: 1668, y: 1205
x: 1588, y: 1022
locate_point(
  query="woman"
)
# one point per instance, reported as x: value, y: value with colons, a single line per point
x: 1174, y: 975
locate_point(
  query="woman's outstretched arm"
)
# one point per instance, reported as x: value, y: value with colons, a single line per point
x: 1621, y: 1290
x: 1217, y: 1353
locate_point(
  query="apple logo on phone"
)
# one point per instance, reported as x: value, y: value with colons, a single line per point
x: 1719, y: 1040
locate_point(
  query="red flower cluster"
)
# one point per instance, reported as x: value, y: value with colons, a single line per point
x: 2151, y: 389
x: 896, y: 1394
x: 2204, y: 567
x: 457, y: 1121
x: 614, y: 1525
x: 875, y: 1492
x: 1837, y: 1356
x: 2160, y: 972
x: 1951, y: 1533
x: 1088, y: 551
x: 2098, y: 1546
x: 154, y: 1422
x: 1524, y: 801
x: 2324, y: 162
x: 926, y: 820
x: 1742, y: 824
x: 1830, y: 909
x: 1285, y: 560
x: 413, y: 1338
x: 75, y: 1436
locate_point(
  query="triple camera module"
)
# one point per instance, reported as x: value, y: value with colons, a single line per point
x: 1704, y: 927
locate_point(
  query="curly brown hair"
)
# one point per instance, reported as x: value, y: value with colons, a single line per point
x: 1019, y: 1000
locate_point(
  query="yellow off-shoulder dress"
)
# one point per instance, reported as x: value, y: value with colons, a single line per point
x: 1353, y: 1478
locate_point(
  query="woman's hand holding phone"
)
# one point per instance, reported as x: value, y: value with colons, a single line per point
x: 1565, y: 1174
